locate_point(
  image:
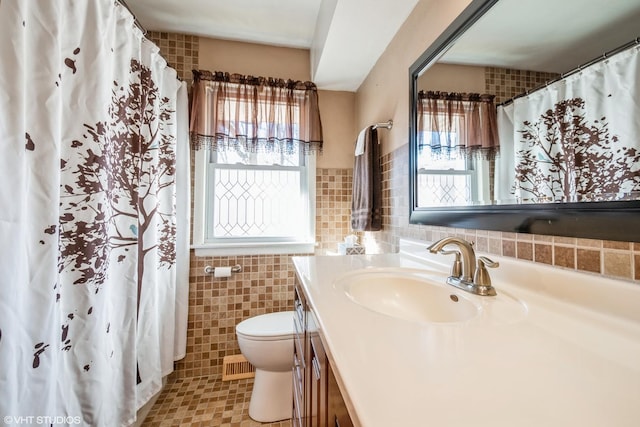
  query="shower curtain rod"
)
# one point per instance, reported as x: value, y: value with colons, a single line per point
x: 579, y: 68
x: 135, y: 19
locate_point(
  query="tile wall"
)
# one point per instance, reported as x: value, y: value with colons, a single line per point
x: 217, y: 305
x: 506, y: 83
x: 333, y: 208
x: 179, y: 50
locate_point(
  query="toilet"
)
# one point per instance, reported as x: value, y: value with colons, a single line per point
x: 267, y: 343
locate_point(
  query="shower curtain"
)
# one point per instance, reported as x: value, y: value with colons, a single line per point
x: 575, y: 140
x: 93, y: 214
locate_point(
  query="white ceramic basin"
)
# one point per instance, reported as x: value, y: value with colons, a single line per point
x: 414, y: 295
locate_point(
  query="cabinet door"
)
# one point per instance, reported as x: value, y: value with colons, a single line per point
x: 300, y: 365
x: 298, y: 414
x: 338, y: 416
x: 319, y: 378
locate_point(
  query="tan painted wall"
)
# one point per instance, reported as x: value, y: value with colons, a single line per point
x: 337, y: 109
x: 254, y: 59
x: 385, y: 92
x: 453, y: 78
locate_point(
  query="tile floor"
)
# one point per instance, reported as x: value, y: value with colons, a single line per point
x: 205, y: 401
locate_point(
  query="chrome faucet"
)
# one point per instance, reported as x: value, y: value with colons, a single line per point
x: 478, y: 282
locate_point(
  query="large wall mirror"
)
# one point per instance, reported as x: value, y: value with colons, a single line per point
x: 525, y: 117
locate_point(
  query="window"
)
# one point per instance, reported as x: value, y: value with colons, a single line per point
x: 254, y: 202
x: 255, y: 169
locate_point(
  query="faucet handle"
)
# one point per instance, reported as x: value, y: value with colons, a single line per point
x: 483, y: 260
x: 481, y: 276
x: 456, y: 268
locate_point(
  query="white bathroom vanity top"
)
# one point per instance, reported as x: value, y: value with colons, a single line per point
x: 569, y: 357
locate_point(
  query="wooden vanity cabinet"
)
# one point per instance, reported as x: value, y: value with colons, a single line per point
x: 337, y: 414
x: 300, y: 384
x: 317, y: 401
x: 318, y: 382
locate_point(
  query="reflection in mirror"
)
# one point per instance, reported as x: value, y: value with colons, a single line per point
x: 457, y: 142
x: 486, y: 181
x: 568, y: 125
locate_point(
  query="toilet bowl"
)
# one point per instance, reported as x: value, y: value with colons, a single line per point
x: 267, y: 343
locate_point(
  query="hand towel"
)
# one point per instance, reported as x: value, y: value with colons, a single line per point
x: 360, y: 141
x: 366, y: 209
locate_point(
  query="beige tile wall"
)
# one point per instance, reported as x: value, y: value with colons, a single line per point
x: 506, y: 83
x: 333, y: 208
x: 179, y: 50
x: 217, y: 305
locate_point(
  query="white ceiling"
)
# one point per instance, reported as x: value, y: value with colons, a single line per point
x: 345, y: 37
x: 547, y: 35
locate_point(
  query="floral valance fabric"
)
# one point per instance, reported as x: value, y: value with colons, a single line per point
x: 452, y: 124
x: 254, y: 114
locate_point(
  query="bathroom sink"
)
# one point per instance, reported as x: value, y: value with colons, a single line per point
x: 409, y: 294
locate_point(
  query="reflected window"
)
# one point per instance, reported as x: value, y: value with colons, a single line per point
x: 457, y: 142
x: 444, y: 180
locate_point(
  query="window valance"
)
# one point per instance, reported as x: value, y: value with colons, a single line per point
x: 254, y: 114
x: 452, y: 124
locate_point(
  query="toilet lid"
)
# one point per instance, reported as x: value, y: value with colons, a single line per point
x: 268, y: 326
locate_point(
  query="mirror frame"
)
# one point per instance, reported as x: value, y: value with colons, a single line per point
x: 619, y: 221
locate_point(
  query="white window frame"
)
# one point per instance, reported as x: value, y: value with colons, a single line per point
x: 246, y: 246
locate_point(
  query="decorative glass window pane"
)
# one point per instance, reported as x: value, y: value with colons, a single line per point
x: 256, y: 202
x: 444, y: 188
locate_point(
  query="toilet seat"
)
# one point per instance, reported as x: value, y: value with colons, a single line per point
x: 267, y: 327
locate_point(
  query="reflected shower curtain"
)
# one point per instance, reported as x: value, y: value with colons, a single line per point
x: 92, y: 248
x: 575, y: 140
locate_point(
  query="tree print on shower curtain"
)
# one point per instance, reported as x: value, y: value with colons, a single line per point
x: 569, y: 159
x: 116, y: 211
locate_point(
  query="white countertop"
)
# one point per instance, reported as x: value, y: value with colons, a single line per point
x: 572, y: 358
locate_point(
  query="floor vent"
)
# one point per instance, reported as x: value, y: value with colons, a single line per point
x: 236, y: 367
